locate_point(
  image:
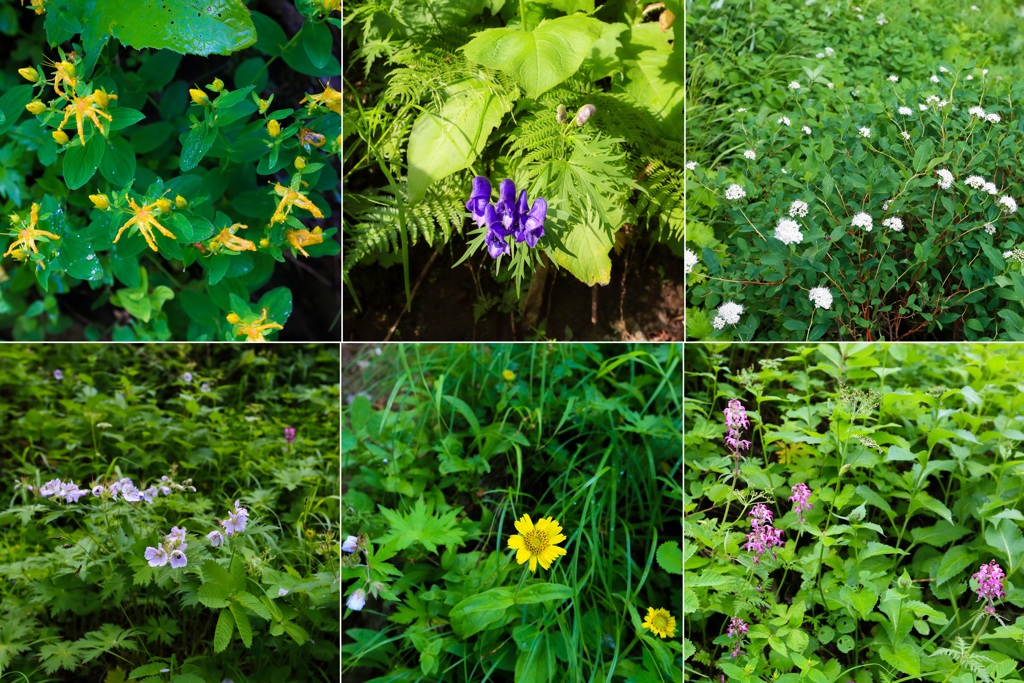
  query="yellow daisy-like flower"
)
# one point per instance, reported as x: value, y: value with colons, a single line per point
x: 508, y: 375
x: 537, y: 543
x: 253, y: 329
x: 660, y: 622
x: 27, y: 235
x: 145, y: 221
x: 86, y: 108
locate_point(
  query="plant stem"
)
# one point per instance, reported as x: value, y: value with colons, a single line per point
x: 969, y: 650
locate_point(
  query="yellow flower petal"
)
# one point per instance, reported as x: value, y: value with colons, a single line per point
x: 522, y: 555
x: 515, y: 542
x: 533, y: 563
x: 524, y: 525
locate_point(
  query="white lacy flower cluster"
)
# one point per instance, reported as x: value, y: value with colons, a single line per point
x: 728, y: 314
x: 862, y: 220
x: 821, y: 296
x: 788, y: 231
x: 689, y: 261
x: 735, y: 191
x: 978, y: 112
x: 978, y: 183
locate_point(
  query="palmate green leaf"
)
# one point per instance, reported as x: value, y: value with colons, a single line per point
x: 421, y: 526
x: 60, y: 655
x: 539, y: 59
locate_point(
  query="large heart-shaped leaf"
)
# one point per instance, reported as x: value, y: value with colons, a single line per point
x: 539, y: 59
x: 448, y: 141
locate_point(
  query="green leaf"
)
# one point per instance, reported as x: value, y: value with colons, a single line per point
x: 478, y: 612
x: 953, y: 563
x: 905, y: 658
x: 670, y: 557
x: 298, y: 634
x: 225, y: 627
x: 585, y: 251
x: 198, y: 27
x: 12, y: 104
x: 122, y: 117
x: 543, y: 592
x: 118, y: 163
x: 448, y: 141
x: 278, y: 303
x: 1007, y: 539
x: 242, y: 622
x: 213, y: 595
x: 80, y: 163
x: 863, y: 600
x: 540, y: 59
x: 421, y: 526
x: 195, y: 146
x: 253, y: 603
x: 317, y: 42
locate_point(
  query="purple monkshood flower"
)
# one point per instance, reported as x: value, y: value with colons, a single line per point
x: 496, y: 244
x: 990, y: 585
x: 289, y: 434
x: 506, y: 207
x: 801, y: 496
x: 479, y: 199
x: 531, y: 224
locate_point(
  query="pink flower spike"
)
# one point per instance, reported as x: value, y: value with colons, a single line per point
x: 990, y: 582
x: 801, y: 496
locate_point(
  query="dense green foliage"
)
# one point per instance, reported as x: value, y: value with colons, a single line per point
x: 444, y: 447
x: 79, y: 599
x: 912, y: 456
x: 859, y: 115
x: 493, y: 88
x: 158, y: 194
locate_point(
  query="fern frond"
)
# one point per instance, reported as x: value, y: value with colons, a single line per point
x: 662, y: 200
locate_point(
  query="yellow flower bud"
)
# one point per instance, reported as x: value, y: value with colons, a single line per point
x: 163, y: 204
x: 101, y: 98
x: 29, y: 74
x: 100, y: 201
x: 233, y: 318
x: 300, y: 163
x: 217, y: 85
x: 264, y: 105
x: 198, y: 96
x: 274, y: 128
x: 264, y: 243
x: 60, y: 137
x: 180, y: 202
x: 36, y: 107
x: 67, y: 67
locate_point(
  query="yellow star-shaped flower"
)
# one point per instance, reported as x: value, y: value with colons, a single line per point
x: 329, y: 98
x: 90, y: 107
x: 252, y: 329
x: 27, y: 235
x: 291, y: 198
x: 145, y: 221
x: 303, y: 238
x: 227, y: 239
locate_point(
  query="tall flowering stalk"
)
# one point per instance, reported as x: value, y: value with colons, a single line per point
x: 736, y: 421
x: 990, y: 585
x: 800, y: 499
x: 737, y: 629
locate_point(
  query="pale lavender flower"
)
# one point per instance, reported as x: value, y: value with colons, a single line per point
x: 204, y: 387
x: 50, y: 488
x: 350, y: 545
x: 58, y: 374
x: 157, y: 556
x: 357, y: 600
x: 281, y: 592
x: 187, y: 377
x: 216, y: 538
x: 97, y: 491
x: 178, y: 559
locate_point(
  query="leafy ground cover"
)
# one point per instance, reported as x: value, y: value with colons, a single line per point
x: 170, y: 514
x: 852, y: 171
x: 853, y: 513
x: 169, y: 170
x: 512, y: 513
x: 514, y: 141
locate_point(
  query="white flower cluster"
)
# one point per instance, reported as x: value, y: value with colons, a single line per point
x: 794, y: 85
x: 945, y: 179
x: 806, y: 130
x: 865, y: 132
x: 894, y: 223
x: 728, y: 314
x: 750, y: 154
x: 735, y: 191
x: 893, y: 78
x: 862, y: 220
x: 788, y: 231
x: 978, y: 183
x: 905, y: 111
x: 1009, y: 204
x: 1016, y: 254
x: 689, y: 261
x: 783, y: 121
x: 691, y: 165
x: 989, y: 228
x: 798, y: 208
x: 821, y: 296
